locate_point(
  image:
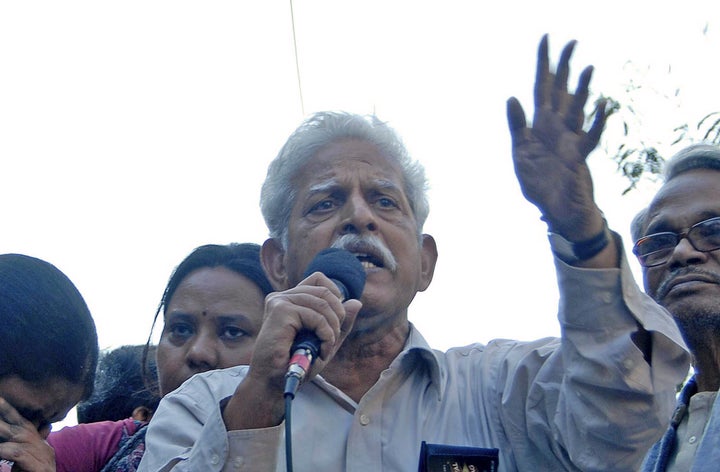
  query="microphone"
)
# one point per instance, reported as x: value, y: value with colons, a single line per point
x: 348, y: 274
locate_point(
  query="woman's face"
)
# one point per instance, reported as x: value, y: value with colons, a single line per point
x: 41, y: 403
x: 211, y: 322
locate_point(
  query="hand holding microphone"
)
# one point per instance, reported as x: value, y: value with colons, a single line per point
x: 348, y: 274
x: 307, y: 308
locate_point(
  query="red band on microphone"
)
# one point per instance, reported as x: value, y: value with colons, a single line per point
x: 301, y: 360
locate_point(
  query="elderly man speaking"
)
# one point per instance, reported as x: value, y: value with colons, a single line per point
x: 596, y: 399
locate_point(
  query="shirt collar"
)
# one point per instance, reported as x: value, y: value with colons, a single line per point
x: 416, y: 355
x: 417, y: 350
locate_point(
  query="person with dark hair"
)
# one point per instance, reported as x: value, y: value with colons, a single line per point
x: 120, y: 388
x: 48, y: 356
x: 212, y: 311
x: 677, y: 242
x: 595, y: 399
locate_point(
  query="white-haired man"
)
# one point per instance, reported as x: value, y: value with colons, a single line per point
x: 588, y: 401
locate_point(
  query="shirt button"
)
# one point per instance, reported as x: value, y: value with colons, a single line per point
x: 215, y: 459
x: 628, y: 364
x: 364, y: 420
x: 692, y: 439
x: 238, y: 462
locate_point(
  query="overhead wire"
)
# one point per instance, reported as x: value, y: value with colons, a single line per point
x: 297, y: 61
x: 289, y: 398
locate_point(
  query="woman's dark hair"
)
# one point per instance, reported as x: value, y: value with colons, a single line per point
x: 119, y: 386
x: 242, y: 258
x: 46, y: 330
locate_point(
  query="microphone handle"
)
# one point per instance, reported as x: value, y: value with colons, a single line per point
x: 308, y: 340
x: 305, y: 349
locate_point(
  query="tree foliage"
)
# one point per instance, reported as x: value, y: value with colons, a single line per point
x: 636, y: 156
x: 645, y: 161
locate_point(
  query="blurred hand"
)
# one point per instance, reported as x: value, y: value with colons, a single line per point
x: 21, y: 443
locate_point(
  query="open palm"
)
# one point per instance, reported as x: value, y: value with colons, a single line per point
x: 550, y: 157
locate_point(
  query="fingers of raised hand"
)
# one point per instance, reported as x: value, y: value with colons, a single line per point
x: 560, y: 94
x: 575, y: 117
x: 551, y: 87
x: 552, y: 95
x: 597, y: 127
x: 516, y: 120
x: 542, y: 75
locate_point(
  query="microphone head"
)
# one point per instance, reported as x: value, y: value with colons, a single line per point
x: 340, y: 266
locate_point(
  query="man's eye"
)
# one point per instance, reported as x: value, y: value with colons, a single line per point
x: 321, y: 206
x: 656, y: 242
x: 709, y: 228
x: 386, y: 202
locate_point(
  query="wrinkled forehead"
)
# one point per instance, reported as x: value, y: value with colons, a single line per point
x: 341, y: 161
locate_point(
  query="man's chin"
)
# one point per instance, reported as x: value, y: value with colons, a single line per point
x: 689, y: 289
x: 694, y: 313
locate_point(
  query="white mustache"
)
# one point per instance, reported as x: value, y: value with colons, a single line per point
x: 369, y: 244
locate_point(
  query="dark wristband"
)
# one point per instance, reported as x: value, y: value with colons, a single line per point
x: 582, y: 250
x: 592, y: 247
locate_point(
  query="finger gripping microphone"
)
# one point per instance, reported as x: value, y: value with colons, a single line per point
x: 348, y: 274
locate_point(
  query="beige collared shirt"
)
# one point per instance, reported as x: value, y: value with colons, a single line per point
x: 585, y: 402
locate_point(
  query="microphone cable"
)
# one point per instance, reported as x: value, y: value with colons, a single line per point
x: 348, y: 274
x: 306, y: 350
x: 288, y: 432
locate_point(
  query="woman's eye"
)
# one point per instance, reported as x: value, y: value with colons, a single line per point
x: 233, y: 332
x: 181, y: 330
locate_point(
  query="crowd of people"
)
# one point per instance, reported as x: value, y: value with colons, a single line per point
x: 212, y: 396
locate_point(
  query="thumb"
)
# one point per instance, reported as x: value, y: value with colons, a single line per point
x: 352, y: 308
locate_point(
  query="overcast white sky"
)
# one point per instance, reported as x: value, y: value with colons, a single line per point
x: 132, y: 132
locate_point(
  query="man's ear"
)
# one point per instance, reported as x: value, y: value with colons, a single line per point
x: 428, y: 259
x: 272, y: 257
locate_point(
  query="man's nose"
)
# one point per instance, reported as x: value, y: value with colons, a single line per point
x: 358, y: 216
x: 685, y: 254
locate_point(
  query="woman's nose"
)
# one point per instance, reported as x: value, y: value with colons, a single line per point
x: 202, y: 354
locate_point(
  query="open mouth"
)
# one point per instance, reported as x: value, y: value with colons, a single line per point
x: 369, y: 250
x: 369, y: 261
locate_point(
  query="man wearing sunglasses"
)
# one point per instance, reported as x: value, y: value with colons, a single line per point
x: 678, y: 245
